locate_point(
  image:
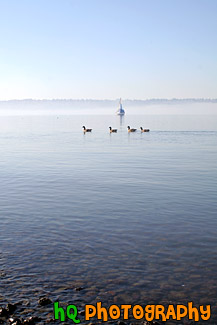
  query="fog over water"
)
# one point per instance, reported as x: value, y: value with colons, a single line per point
x: 68, y: 107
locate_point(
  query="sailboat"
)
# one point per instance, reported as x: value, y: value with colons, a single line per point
x: 120, y: 110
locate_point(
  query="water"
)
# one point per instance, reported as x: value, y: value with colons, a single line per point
x: 129, y: 217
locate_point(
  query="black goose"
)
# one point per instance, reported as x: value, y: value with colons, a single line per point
x: 112, y: 130
x: 131, y: 130
x: 144, y: 130
x: 86, y: 130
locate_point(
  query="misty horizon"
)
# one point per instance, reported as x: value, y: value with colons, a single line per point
x: 146, y: 100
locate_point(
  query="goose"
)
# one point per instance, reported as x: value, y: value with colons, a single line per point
x: 131, y: 130
x: 144, y: 130
x: 86, y: 130
x: 112, y: 130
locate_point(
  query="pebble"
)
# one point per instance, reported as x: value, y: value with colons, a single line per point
x: 82, y: 312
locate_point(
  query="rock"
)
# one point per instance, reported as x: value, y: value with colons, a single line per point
x: 15, y: 321
x: 11, y: 308
x: 81, y: 312
x: 4, y: 312
x: 25, y: 302
x: 121, y: 322
x: 79, y: 288
x: 32, y: 320
x: 50, y: 320
x: 44, y: 301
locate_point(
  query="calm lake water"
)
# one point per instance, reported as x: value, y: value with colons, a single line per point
x: 131, y: 218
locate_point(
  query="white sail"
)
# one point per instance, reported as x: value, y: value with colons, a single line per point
x: 120, y: 110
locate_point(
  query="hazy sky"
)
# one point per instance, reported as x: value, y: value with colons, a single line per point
x: 108, y: 48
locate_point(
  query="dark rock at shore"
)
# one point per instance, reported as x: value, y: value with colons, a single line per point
x: 4, y: 312
x: 11, y: 308
x: 79, y: 288
x: 44, y: 301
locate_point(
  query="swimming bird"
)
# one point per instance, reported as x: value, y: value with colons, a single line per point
x: 86, y: 130
x: 144, y: 130
x: 112, y: 130
x: 131, y: 130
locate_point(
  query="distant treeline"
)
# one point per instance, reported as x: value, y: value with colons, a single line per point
x: 88, y: 103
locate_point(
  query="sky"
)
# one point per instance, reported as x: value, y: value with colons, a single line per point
x: 106, y: 49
